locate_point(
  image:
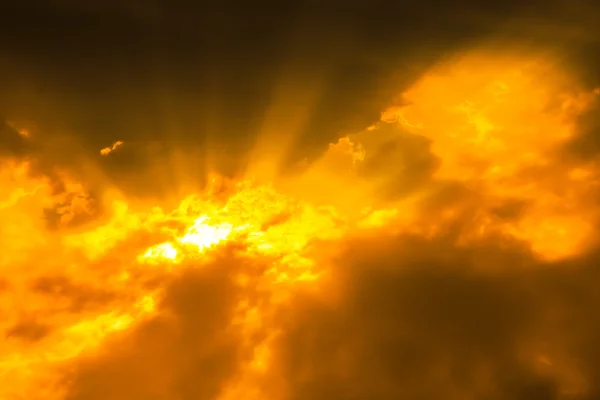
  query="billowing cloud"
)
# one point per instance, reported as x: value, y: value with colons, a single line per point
x: 186, y: 352
x: 376, y: 202
x: 421, y: 318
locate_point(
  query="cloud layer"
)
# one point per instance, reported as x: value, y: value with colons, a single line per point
x: 374, y: 201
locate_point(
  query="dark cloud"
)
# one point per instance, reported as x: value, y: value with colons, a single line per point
x: 11, y: 142
x: 423, y: 319
x: 28, y: 330
x: 404, y: 160
x: 187, y: 351
x: 587, y: 144
x: 78, y: 296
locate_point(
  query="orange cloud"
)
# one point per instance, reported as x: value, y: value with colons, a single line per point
x: 107, y: 150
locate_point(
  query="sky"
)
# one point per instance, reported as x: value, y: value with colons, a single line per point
x: 362, y: 200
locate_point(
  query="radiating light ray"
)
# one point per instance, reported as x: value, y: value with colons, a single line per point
x: 65, y: 291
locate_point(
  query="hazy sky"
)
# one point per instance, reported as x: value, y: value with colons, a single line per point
x: 146, y: 70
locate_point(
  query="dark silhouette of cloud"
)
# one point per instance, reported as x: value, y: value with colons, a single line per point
x: 187, y: 351
x: 424, y: 319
